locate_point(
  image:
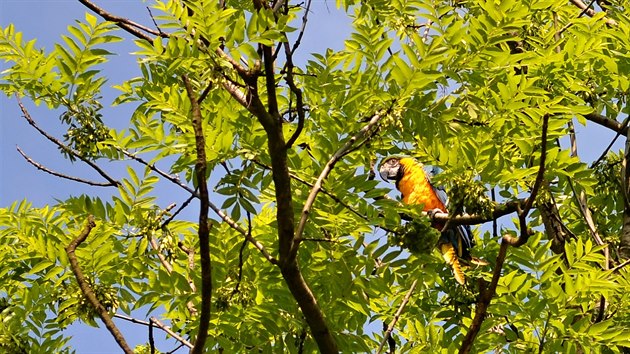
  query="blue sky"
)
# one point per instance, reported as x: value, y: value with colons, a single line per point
x: 46, y: 20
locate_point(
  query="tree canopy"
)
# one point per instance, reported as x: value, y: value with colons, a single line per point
x: 296, y: 246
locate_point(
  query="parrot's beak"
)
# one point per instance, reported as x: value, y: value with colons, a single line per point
x: 384, y: 172
x: 389, y: 170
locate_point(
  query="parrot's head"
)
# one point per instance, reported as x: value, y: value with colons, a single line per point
x: 392, y: 169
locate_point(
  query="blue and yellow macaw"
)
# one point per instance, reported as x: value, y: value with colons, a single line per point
x: 414, y: 183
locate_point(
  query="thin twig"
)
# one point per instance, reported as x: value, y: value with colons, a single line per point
x: 153, y: 242
x: 327, y: 193
x: 158, y: 324
x: 541, y: 346
x: 541, y: 167
x: 151, y: 341
x: 303, y: 28
x: 175, y: 180
x: 190, y: 253
x: 154, y: 22
x: 240, y: 257
x: 522, y: 212
x: 390, y: 328
x: 495, y: 232
x: 320, y: 240
x: 165, y: 263
x: 126, y: 24
x: 63, y: 146
x: 182, y: 207
x: 86, y: 289
x: 61, y: 175
x: 361, y: 134
x: 620, y: 266
x: 586, y: 9
x: 583, y: 203
x: 612, y: 142
x: 168, y: 330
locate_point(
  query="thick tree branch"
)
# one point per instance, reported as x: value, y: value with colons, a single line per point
x: 204, y: 230
x: 361, y: 134
x: 61, y: 175
x: 270, y: 83
x: 607, y: 122
x: 390, y: 328
x: 308, y: 304
x: 285, y: 214
x: 87, y: 290
x: 64, y: 147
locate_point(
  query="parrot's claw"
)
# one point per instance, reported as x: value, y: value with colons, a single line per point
x: 431, y: 213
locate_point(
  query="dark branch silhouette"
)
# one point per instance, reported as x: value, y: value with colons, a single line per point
x: 61, y: 175
x: 63, y: 146
x: 204, y: 226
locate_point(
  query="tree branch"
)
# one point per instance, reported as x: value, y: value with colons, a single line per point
x: 485, y: 297
x: 302, y: 28
x: 583, y: 203
x: 486, y: 294
x: 299, y: 104
x: 204, y: 230
x: 151, y: 341
x: 87, y: 290
x: 270, y: 83
x: 182, y: 207
x: 620, y: 266
x: 61, y: 175
x: 541, y: 168
x: 129, y: 26
x: 390, y: 328
x: 590, y: 12
x: 64, y: 147
x: 607, y: 122
x: 163, y: 260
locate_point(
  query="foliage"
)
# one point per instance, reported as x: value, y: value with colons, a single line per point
x: 464, y: 85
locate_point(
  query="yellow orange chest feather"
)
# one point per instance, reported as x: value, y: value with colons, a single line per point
x: 416, y: 189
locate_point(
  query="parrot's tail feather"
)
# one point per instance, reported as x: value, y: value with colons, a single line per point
x: 450, y: 256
